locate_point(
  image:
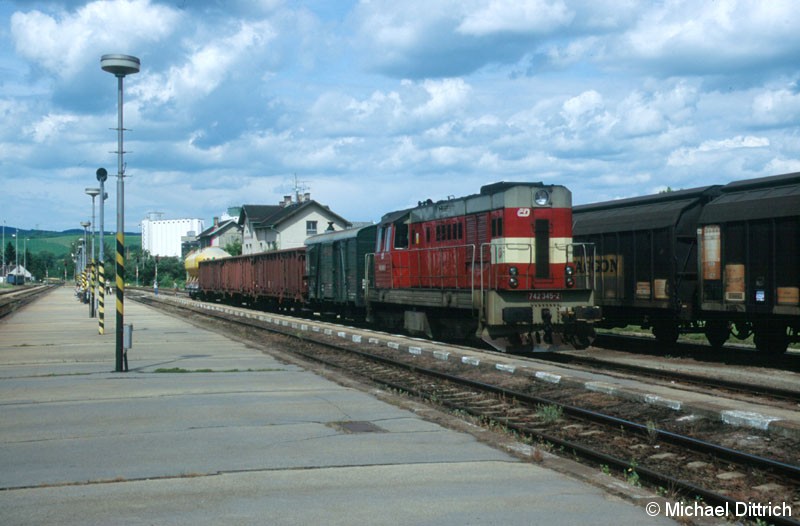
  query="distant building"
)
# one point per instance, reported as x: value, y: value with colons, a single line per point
x: 162, y: 237
x: 221, y: 233
x: 286, y: 225
x: 17, y: 274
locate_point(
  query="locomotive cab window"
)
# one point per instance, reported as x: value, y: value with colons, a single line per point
x: 401, y: 235
x: 497, y: 227
x: 542, y: 237
x: 379, y: 239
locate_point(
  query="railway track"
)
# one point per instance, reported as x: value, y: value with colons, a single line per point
x: 13, y: 299
x: 729, y: 387
x: 643, y: 451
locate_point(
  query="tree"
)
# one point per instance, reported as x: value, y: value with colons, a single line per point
x: 11, y: 254
x: 234, y: 248
x: 43, y: 264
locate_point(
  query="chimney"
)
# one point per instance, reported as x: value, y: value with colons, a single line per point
x: 287, y: 200
x: 216, y: 220
x: 307, y: 196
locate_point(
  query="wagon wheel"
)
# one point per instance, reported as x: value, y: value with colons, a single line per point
x: 666, y: 331
x: 583, y: 336
x: 771, y: 338
x: 717, y: 333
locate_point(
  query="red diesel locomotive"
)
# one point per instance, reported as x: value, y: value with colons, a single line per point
x: 498, y: 264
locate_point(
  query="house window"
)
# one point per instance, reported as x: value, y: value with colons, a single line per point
x: 311, y: 228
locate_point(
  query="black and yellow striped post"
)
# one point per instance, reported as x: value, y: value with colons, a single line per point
x: 102, y: 175
x: 83, y: 284
x: 101, y: 295
x: 92, y: 283
x: 120, y: 267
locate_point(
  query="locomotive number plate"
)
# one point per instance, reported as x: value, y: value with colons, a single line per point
x: 544, y: 296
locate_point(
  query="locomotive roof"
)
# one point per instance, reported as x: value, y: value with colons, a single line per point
x: 491, y: 197
x: 763, y: 198
x: 502, y: 186
x: 639, y: 213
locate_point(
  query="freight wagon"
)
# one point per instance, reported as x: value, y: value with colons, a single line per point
x: 749, y: 240
x: 267, y: 280
x: 719, y: 260
x: 646, y: 260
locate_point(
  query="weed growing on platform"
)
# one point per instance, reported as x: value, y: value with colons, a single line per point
x: 631, y: 476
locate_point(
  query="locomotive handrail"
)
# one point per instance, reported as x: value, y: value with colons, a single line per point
x: 567, y: 247
x: 583, y: 246
x: 493, y: 246
x: 365, y: 284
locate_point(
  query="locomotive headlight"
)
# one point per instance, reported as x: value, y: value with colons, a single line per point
x: 513, y: 283
x: 541, y: 198
x: 513, y: 271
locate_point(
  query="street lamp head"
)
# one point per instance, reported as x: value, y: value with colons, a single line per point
x: 94, y: 192
x: 85, y: 224
x: 120, y: 65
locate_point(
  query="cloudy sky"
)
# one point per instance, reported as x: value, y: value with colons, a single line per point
x: 375, y: 105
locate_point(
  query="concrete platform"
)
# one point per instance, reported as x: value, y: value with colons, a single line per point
x: 256, y: 441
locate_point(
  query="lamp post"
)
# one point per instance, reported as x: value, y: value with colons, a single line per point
x: 120, y: 66
x: 25, y: 257
x: 79, y: 260
x: 93, y: 192
x: 102, y: 175
x: 86, y: 280
x: 16, y: 256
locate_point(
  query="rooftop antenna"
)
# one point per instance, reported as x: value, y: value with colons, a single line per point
x: 299, y: 188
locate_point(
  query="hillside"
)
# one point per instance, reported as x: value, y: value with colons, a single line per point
x: 60, y: 243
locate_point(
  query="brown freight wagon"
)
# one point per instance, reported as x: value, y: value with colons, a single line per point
x: 270, y: 280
